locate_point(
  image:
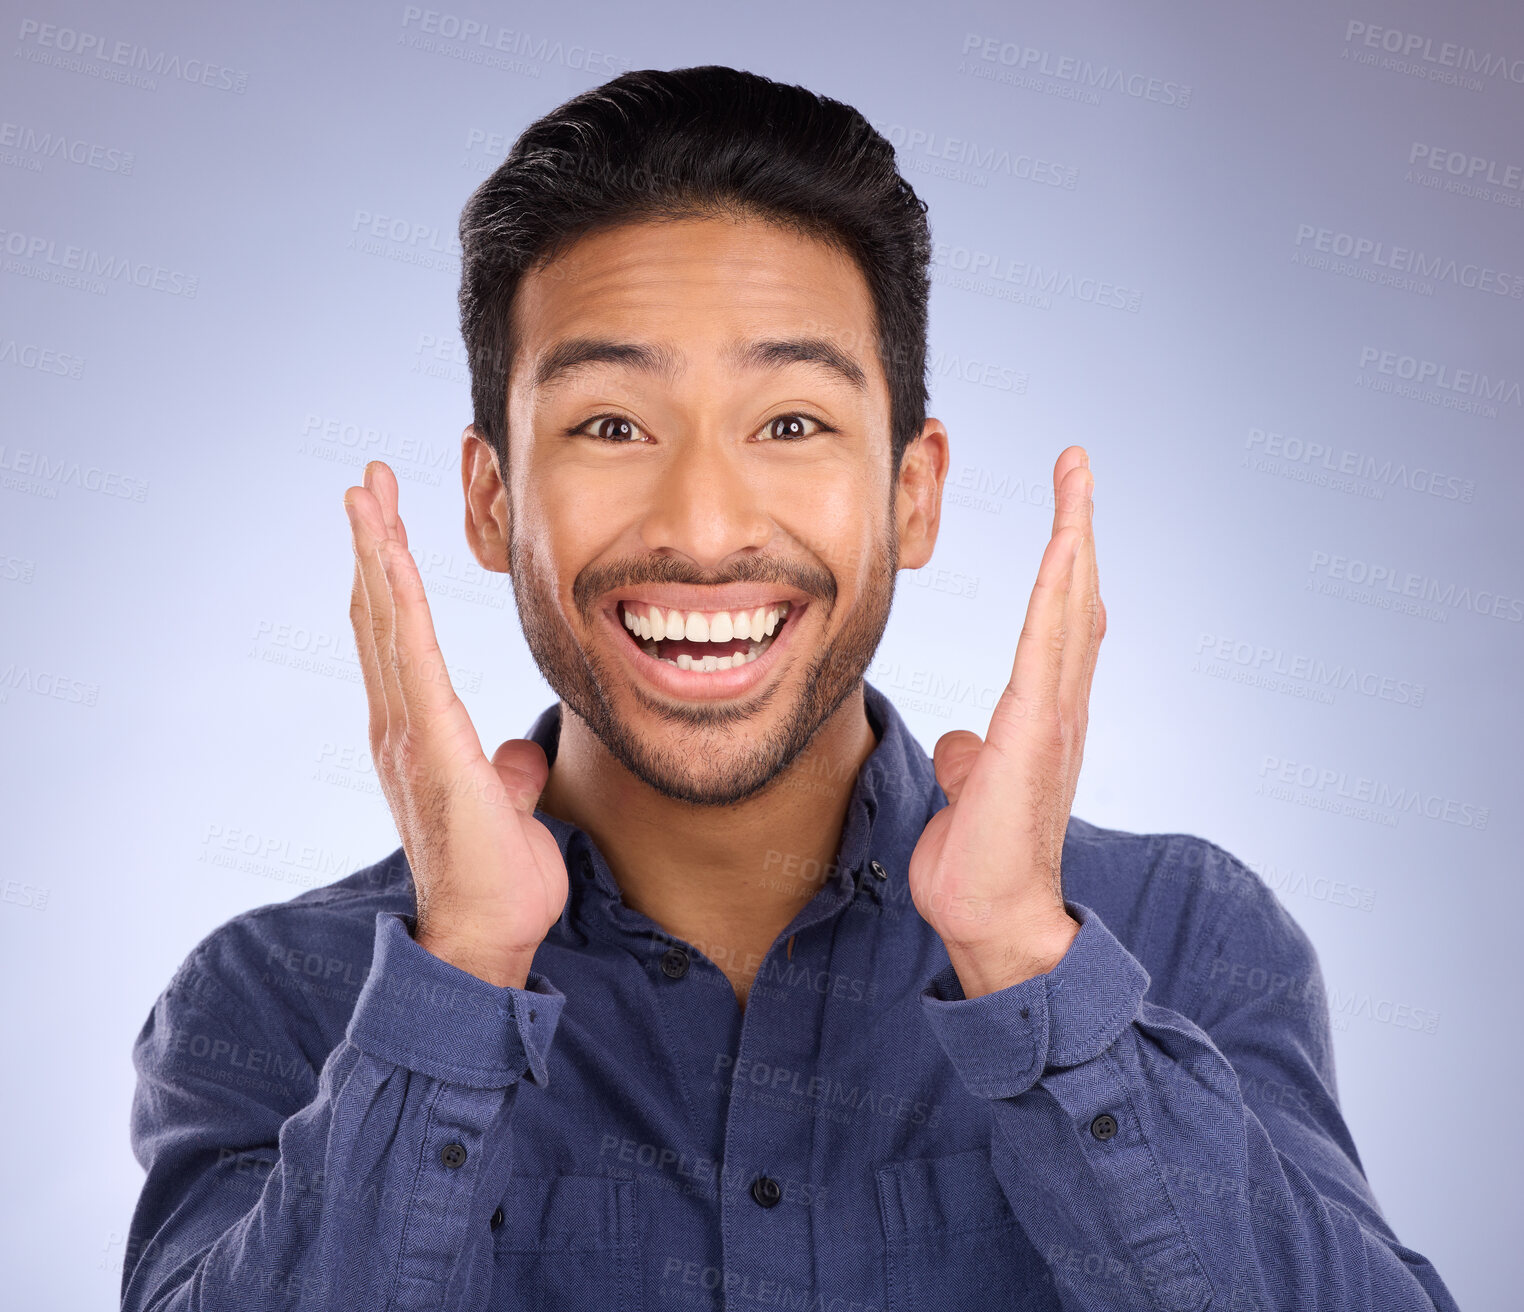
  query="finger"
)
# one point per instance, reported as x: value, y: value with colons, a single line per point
x: 1070, y: 458
x: 1082, y: 617
x: 382, y: 483
x: 365, y: 649
x: 1032, y: 693
x: 427, y: 694
x: 953, y: 758
x: 523, y: 767
x: 370, y: 532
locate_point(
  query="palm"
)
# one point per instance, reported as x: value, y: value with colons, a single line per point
x: 991, y: 858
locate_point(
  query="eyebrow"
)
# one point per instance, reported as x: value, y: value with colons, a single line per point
x: 665, y: 362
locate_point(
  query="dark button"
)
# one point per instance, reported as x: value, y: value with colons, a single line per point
x: 674, y: 963
x: 1104, y: 1126
x: 453, y: 1155
x: 531, y: 1016
x: 1024, y: 1014
x: 766, y: 1191
x: 878, y: 871
x: 497, y: 1218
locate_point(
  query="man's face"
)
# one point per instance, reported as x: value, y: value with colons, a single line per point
x: 699, y: 431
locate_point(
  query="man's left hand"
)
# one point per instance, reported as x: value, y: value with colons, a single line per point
x: 986, y: 871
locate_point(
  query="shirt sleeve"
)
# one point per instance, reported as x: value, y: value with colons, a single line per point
x: 376, y: 1193
x: 1161, y: 1163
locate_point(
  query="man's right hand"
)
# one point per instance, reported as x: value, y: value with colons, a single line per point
x: 489, y: 876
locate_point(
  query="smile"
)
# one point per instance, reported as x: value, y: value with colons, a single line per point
x: 705, y: 654
x: 707, y: 641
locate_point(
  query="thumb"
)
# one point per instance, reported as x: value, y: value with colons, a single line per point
x: 523, y: 768
x: 953, y: 758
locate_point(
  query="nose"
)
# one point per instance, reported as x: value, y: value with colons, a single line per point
x: 704, y: 505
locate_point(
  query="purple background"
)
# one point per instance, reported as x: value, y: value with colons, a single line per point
x: 1272, y: 245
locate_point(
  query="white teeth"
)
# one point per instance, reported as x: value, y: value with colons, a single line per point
x: 652, y: 624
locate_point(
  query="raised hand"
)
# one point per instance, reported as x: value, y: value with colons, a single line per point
x: 986, y: 871
x: 489, y: 876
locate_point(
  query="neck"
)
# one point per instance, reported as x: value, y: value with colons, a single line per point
x: 726, y: 879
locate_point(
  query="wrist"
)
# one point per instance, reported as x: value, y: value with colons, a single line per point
x: 501, y: 969
x: 1001, y: 959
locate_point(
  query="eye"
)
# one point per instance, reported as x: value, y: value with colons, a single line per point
x: 792, y: 428
x: 607, y: 428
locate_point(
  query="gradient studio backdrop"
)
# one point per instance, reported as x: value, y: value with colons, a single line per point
x: 1267, y: 266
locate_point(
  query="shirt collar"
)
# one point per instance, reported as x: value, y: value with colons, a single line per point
x: 895, y: 794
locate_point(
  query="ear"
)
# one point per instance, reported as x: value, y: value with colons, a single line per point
x: 918, y: 496
x: 486, y: 501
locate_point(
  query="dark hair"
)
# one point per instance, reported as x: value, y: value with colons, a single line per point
x: 653, y: 144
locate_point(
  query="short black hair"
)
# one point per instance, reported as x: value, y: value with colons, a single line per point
x: 692, y: 142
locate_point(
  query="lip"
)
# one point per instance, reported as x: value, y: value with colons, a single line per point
x: 745, y: 596
x: 695, y: 685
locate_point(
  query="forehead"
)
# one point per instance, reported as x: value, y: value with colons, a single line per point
x: 699, y: 283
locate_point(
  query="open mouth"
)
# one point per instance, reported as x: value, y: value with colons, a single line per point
x: 707, y: 641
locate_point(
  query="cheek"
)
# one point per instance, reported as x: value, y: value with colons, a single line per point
x: 560, y: 528
x: 841, y: 522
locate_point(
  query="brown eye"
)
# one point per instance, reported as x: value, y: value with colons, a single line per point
x: 789, y: 428
x: 612, y: 428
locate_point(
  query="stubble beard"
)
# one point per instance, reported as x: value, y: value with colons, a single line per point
x: 725, y: 759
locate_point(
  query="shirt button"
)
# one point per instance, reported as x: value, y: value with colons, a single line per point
x: 1104, y: 1126
x: 766, y: 1191
x: 674, y: 963
x: 497, y: 1218
x: 878, y: 871
x: 453, y: 1155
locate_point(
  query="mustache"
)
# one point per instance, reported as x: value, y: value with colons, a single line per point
x: 598, y: 580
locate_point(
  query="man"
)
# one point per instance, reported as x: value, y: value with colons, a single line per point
x: 715, y: 990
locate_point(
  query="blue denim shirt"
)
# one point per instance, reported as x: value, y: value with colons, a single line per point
x: 331, y: 1117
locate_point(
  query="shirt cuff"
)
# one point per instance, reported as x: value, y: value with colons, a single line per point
x: 1003, y: 1042
x: 419, y: 1012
